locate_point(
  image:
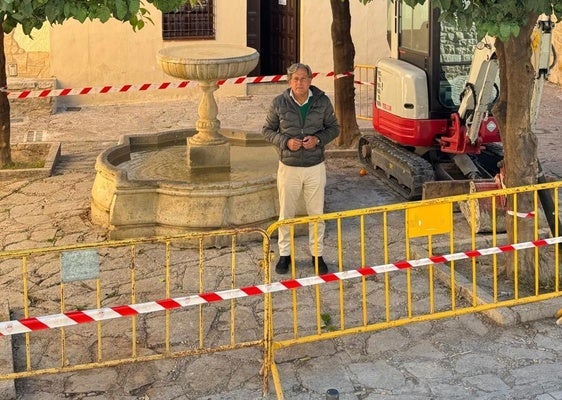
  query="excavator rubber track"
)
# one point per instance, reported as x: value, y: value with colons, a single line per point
x: 404, y: 171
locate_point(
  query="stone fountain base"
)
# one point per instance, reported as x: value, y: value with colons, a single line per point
x: 151, y: 201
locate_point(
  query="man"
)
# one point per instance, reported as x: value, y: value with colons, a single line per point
x: 300, y: 123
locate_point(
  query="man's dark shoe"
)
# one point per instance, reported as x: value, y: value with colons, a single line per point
x: 283, y: 264
x: 322, y: 267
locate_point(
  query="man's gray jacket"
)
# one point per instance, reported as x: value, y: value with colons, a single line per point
x: 284, y: 122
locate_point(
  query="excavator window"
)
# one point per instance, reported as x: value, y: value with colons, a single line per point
x: 455, y: 52
x: 414, y: 28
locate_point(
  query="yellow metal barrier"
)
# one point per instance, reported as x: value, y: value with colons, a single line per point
x: 364, y: 91
x: 357, y: 239
x: 90, y: 276
x: 56, y: 280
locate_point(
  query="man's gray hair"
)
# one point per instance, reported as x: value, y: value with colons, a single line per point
x: 294, y: 67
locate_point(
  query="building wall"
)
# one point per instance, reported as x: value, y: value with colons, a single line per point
x: 95, y: 54
x: 368, y: 31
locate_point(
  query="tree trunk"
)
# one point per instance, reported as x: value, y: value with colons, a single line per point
x: 344, y: 59
x: 5, y: 152
x: 520, y: 146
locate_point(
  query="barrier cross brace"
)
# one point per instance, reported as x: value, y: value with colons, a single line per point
x: 85, y: 316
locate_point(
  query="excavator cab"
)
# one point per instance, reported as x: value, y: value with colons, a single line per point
x: 437, y: 48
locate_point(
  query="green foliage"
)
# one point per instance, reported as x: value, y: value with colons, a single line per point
x: 500, y: 18
x: 32, y: 14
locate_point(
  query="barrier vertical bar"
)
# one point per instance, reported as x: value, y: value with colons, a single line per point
x: 201, y: 290
x: 232, y: 286
x: 26, y: 312
x: 98, y: 324
x: 430, y: 275
x: 268, y: 360
x: 363, y: 262
x: 535, y: 237
x: 385, y: 260
x: 495, y: 289
x: 473, y: 205
x: 556, y: 248
x: 62, y: 329
x: 168, y: 295
x: 294, y: 296
x: 408, y: 271
x: 317, y: 287
x: 340, y: 269
x: 515, y: 254
x: 452, y: 263
x: 133, y: 268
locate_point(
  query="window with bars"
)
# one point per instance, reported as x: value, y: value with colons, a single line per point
x: 190, y: 22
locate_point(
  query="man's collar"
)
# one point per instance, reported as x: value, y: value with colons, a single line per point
x: 306, y: 101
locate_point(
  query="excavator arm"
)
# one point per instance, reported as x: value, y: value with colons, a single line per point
x: 478, y: 96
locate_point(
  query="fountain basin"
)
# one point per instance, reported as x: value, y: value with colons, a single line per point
x: 133, y: 198
x: 205, y: 62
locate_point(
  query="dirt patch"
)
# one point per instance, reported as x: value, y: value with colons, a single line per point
x: 29, y: 155
x: 31, y: 160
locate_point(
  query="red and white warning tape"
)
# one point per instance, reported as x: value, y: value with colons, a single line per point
x: 522, y: 215
x: 85, y: 316
x: 27, y: 94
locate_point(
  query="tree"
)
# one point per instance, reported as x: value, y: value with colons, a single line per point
x: 32, y: 14
x: 344, y: 90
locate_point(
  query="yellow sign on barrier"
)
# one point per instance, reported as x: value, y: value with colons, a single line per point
x: 433, y: 219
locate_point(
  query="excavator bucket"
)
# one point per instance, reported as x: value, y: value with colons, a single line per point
x: 437, y: 189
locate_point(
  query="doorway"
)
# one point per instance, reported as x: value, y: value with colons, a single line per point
x: 273, y: 30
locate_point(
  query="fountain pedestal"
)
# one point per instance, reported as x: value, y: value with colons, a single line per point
x: 208, y: 150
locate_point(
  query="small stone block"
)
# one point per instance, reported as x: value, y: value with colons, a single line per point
x: 214, y: 157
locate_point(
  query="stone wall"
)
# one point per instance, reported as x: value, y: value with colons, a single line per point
x: 19, y: 108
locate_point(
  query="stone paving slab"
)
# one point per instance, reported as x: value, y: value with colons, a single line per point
x: 468, y: 357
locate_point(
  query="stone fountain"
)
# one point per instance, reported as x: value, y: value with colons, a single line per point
x: 180, y: 181
x: 208, y: 150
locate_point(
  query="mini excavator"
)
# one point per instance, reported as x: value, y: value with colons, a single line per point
x: 432, y: 109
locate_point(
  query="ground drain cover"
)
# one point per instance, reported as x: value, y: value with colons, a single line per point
x: 35, y: 136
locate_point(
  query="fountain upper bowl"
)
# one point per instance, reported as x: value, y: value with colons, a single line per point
x: 207, y: 61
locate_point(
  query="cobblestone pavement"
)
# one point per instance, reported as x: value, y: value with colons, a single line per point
x: 467, y: 357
